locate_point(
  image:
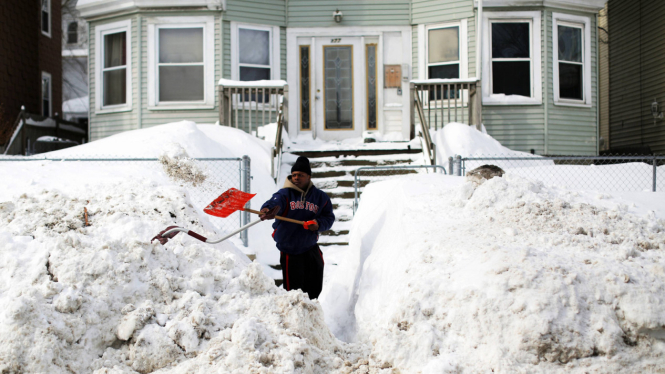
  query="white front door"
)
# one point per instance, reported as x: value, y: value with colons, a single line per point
x: 339, y: 91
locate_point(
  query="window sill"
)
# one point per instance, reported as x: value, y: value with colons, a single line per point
x: 113, y: 110
x: 48, y: 34
x: 572, y: 104
x: 503, y: 100
x: 181, y: 107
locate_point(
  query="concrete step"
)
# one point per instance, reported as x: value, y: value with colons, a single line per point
x: 356, y: 152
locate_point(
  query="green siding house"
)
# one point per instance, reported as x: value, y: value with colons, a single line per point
x: 349, y: 65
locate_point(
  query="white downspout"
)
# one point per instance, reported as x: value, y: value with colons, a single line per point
x: 479, y: 51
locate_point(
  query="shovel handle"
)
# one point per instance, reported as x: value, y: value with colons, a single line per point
x: 301, y: 223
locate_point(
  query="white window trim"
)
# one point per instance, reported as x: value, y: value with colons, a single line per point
x: 585, y: 24
x: 208, y: 24
x: 534, y: 19
x: 50, y: 95
x: 100, y: 31
x: 423, y: 52
x: 275, y: 67
x: 47, y: 33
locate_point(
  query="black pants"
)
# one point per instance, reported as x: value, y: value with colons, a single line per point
x: 303, y: 272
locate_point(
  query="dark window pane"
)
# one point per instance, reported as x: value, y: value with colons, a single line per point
x: 181, y: 45
x: 254, y: 74
x: 305, y: 117
x: 45, y: 21
x: 444, y: 71
x: 570, y: 44
x: 72, y: 33
x: 115, y: 50
x: 46, y: 108
x: 511, y: 78
x: 115, y: 87
x: 510, y: 40
x: 181, y: 83
x: 570, y: 81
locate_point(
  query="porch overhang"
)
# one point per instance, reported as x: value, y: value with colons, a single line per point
x: 98, y: 8
x: 592, y: 6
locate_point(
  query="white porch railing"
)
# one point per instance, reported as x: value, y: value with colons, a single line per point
x: 248, y: 105
x: 447, y: 100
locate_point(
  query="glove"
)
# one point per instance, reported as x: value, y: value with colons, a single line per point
x: 165, y: 238
x: 311, y: 225
x: 267, y: 213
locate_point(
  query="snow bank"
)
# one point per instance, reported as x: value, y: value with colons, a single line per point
x: 102, y: 298
x: 464, y: 140
x: 510, y: 276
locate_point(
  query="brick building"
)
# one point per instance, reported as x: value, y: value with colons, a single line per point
x: 30, y: 60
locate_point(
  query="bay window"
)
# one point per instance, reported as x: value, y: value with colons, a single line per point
x: 511, y: 55
x: 571, y: 60
x: 113, y: 67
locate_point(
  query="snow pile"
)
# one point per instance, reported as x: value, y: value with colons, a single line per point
x: 464, y: 140
x: 508, y: 276
x: 103, y: 298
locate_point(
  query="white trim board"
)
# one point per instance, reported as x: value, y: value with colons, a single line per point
x: 110, y: 28
x: 585, y: 23
x: 208, y: 25
x: 534, y: 18
x: 292, y: 64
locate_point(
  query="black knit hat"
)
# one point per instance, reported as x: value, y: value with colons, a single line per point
x: 302, y: 164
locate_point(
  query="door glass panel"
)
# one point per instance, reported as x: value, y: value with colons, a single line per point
x: 371, y: 87
x: 305, y: 117
x: 338, y: 89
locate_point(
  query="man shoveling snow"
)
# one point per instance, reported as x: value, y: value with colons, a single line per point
x: 300, y: 257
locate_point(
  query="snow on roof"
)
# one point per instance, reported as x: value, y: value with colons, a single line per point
x: 90, y: 8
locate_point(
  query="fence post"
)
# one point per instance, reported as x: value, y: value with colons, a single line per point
x: 222, y: 107
x: 412, y: 110
x: 451, y: 165
x: 458, y: 163
x: 245, y: 187
x: 655, y: 171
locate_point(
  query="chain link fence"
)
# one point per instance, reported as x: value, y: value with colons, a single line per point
x: 368, y: 174
x: 203, y: 178
x: 610, y: 173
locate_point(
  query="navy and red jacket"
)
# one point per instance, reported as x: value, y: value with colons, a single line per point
x: 312, y: 204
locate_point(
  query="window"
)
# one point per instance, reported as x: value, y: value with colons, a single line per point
x: 443, y: 53
x: 113, y: 66
x: 571, y: 60
x: 46, y: 17
x: 511, y: 51
x: 46, y: 94
x: 180, y: 62
x: 73, y: 33
x: 255, y: 55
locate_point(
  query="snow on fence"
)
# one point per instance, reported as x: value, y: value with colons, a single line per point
x: 203, y: 178
x: 611, y: 173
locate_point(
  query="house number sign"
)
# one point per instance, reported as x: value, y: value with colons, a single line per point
x: 336, y: 40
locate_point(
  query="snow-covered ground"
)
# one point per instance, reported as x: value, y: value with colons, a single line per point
x: 441, y: 275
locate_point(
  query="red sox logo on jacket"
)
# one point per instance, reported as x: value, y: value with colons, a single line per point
x: 304, y: 205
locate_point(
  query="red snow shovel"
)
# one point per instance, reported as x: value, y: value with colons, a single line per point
x: 234, y: 200
x: 223, y: 206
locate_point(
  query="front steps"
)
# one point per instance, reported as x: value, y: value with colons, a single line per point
x: 334, y: 171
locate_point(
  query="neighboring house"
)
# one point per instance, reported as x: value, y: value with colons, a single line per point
x: 30, y: 61
x: 154, y: 62
x: 74, y: 64
x: 636, y: 77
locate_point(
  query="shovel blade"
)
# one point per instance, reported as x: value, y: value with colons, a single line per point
x: 229, y: 202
